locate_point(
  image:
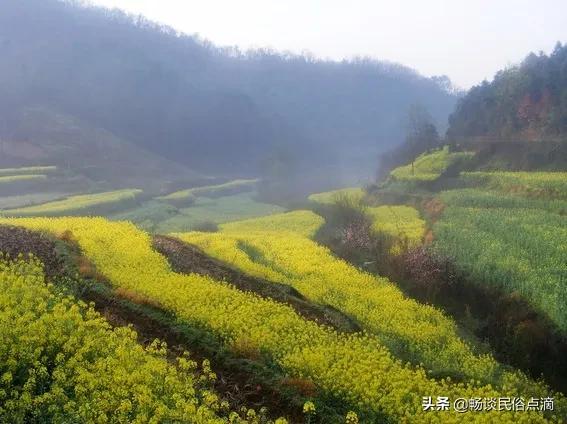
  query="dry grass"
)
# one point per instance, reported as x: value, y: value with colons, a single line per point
x: 303, y: 385
x: 245, y: 347
x: 137, y: 298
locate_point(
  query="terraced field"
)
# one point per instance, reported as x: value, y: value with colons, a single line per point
x: 216, y: 211
x: 361, y: 368
x: 15, y: 178
x: 384, y: 355
x: 429, y: 166
x: 187, y: 196
x: 551, y: 185
x: 61, y: 362
x: 330, y: 197
x: 86, y: 204
x: 402, y: 223
x: 28, y: 170
x: 510, y: 242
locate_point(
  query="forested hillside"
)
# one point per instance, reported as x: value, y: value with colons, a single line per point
x: 207, y: 107
x: 526, y: 102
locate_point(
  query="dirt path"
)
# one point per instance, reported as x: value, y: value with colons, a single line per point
x: 187, y: 259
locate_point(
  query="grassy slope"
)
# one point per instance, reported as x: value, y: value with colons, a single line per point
x: 220, y: 210
x: 429, y: 166
x: 506, y: 229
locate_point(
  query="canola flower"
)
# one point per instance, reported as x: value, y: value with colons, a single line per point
x: 415, y: 332
x: 355, y: 367
x: 76, y: 204
x: 418, y: 333
x: 401, y: 222
x: 308, y: 407
x: 351, y: 418
x: 61, y: 362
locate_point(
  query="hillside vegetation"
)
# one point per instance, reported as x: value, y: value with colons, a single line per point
x: 204, y: 106
x: 524, y: 102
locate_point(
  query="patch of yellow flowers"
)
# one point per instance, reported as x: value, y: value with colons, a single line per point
x: 355, y: 367
x: 61, y: 362
x: 416, y: 332
x: 401, y: 222
x: 301, y: 222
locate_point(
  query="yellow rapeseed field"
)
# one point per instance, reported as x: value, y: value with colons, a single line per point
x: 401, y: 222
x: 305, y: 223
x: 355, y: 367
x: 61, y: 362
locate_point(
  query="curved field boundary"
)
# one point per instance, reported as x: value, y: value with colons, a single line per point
x: 61, y: 362
x: 356, y: 368
x: 91, y: 204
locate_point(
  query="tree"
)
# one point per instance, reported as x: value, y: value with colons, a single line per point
x: 421, y: 136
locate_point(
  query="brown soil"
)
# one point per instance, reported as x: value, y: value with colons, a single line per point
x: 15, y: 241
x: 186, y: 258
x: 240, y: 387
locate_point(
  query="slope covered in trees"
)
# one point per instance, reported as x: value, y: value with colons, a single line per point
x: 208, y: 107
x: 527, y: 102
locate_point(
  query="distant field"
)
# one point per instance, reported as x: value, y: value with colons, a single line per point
x: 78, y: 205
x: 330, y: 197
x: 27, y: 170
x: 429, y: 166
x: 162, y: 217
x: 218, y: 211
x: 24, y: 200
x: 231, y: 187
x: 16, y: 178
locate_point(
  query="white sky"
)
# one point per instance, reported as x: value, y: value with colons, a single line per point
x: 468, y: 40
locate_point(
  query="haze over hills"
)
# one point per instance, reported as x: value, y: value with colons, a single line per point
x: 40, y: 135
x: 213, y: 110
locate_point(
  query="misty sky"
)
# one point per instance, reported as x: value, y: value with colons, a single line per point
x: 468, y: 40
